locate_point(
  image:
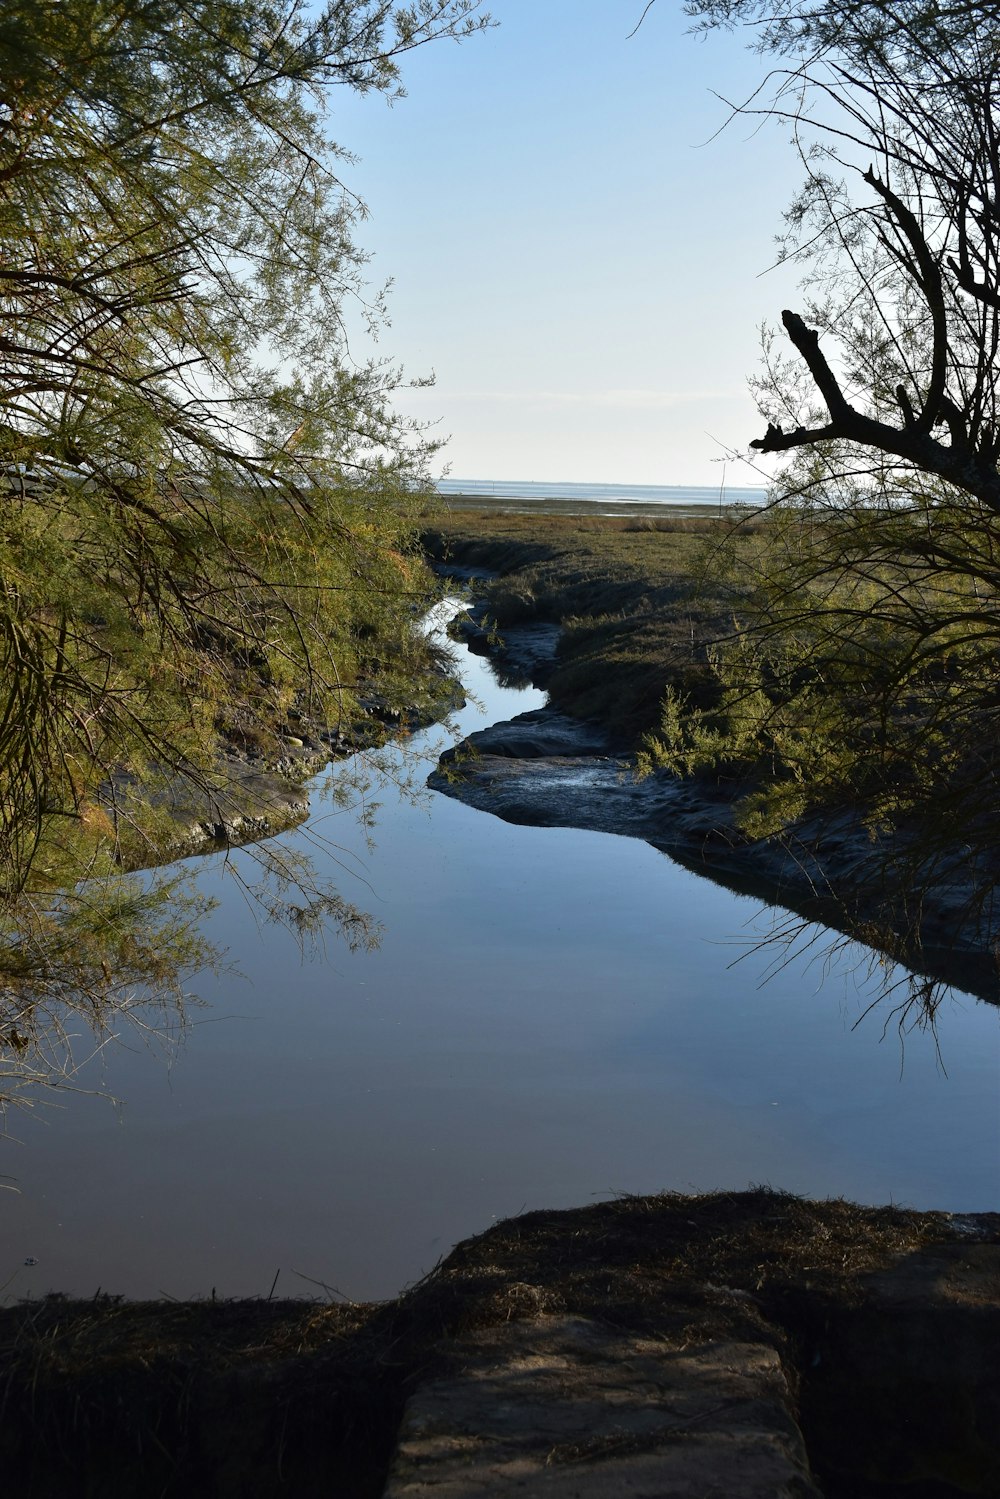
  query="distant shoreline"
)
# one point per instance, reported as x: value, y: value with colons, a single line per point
x: 698, y: 497
x: 510, y: 500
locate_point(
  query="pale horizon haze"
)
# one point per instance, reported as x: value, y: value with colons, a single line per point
x: 579, y: 245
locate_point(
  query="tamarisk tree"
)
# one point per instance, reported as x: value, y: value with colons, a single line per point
x: 865, y: 672
x: 205, y: 501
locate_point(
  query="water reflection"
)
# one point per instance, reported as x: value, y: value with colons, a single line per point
x: 115, y: 956
x: 552, y: 1016
x: 80, y: 967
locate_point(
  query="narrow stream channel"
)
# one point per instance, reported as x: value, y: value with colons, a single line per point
x: 553, y: 1016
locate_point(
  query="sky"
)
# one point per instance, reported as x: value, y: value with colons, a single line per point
x: 581, y: 249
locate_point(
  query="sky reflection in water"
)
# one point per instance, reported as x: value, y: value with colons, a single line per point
x: 553, y: 1016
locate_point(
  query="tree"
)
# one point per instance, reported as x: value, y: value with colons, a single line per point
x: 864, y: 675
x: 205, y: 502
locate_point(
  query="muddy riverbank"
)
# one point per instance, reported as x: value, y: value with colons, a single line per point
x: 255, y: 790
x: 563, y: 767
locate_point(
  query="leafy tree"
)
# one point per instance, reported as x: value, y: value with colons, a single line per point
x: 205, y: 501
x: 864, y: 676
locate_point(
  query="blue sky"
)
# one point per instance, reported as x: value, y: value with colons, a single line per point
x: 577, y: 253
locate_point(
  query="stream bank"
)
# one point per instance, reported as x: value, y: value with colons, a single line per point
x: 251, y: 793
x: 565, y: 766
x: 225, y: 1397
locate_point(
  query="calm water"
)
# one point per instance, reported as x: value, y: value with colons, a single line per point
x: 553, y: 1016
x: 604, y: 494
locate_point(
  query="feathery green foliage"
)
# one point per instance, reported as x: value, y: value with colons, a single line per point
x: 864, y: 676
x: 205, y: 502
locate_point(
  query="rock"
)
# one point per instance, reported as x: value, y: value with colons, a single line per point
x: 542, y: 733
x: 568, y: 1407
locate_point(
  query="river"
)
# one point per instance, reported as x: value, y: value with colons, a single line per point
x: 553, y: 1017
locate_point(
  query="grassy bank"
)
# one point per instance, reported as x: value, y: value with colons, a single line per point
x: 633, y: 596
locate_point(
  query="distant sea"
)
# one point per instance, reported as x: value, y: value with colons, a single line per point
x: 625, y: 495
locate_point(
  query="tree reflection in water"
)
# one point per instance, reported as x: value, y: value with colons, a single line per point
x: 117, y: 955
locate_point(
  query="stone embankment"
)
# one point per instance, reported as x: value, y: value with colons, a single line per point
x: 738, y: 1345
x: 859, y: 1380
x: 575, y: 1409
